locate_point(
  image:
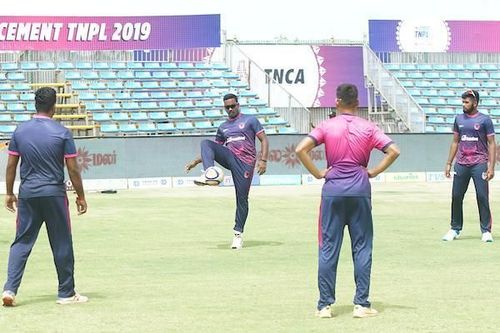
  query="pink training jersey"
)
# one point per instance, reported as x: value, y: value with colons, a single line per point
x: 348, y: 141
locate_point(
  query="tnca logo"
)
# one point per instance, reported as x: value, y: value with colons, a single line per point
x: 281, y: 75
x: 85, y: 159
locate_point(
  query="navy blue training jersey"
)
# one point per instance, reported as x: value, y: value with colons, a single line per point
x: 42, y: 144
x: 473, y: 132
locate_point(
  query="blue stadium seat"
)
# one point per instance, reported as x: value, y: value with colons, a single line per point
x: 47, y: 65
x: 167, y: 105
x: 120, y: 116
x: 407, y: 83
x: 424, y: 67
x: 287, y: 130
x: 414, y: 92
x: 149, y: 105
x: 127, y: 128
x: 29, y: 66
x: 456, y: 67
x: 133, y: 85
x: 489, y: 67
x: 2, y: 107
x: 185, y: 65
x: 168, y: 84
x: 107, y: 75
x: 194, y: 114
x: 27, y: 97
x: 87, y: 96
x: 256, y: 102
x: 206, y: 124
x: 429, y: 110
x: 219, y: 66
x: 9, y: 66
x: 194, y: 75
x: 140, y: 95
x: 168, y: 65
x: 16, y: 76
x: 489, y: 84
x: 429, y: 128
x: 213, y: 74
x: 473, y: 84
x: 276, y: 121
x: 203, y: 84
x: 5, y: 118
x: 431, y: 75
x: 456, y: 84
x: 7, y: 129
x: 111, y: 106
x: 92, y: 106
x: 213, y: 113
x: 20, y: 117
x: 400, y: 75
x: 185, y: 104
x: 5, y: 87
x: 186, y: 84
x: 194, y: 94
x: 104, y: 95
x: 115, y: 85
x: 144, y: 75
x: 237, y: 84
x: 79, y: 85
x: 122, y: 95
x: 438, y: 101
x: 22, y: 86
x: 135, y: 65
x: 447, y: 75
x: 176, y: 94
x: 184, y: 126
x: 495, y: 94
x: 408, y: 67
x: 439, y: 84
x: 158, y: 95
x: 443, y: 129
x: 158, y: 115
x: 165, y: 127
x: 101, y: 65
x: 65, y: 65
x: 266, y: 111
x: 249, y: 111
x: 90, y: 75
x: 97, y: 85
x: 202, y: 65
x: 203, y: 104
x: 146, y: 127
x: 230, y: 76
x: 109, y: 128
x: 139, y: 116
x: 118, y: 65
x: 17, y: 107
x: 415, y: 75
x: 177, y: 75
x: 151, y: 65
x: 435, y: 119
x: 161, y: 75
x: 392, y: 66
x: 101, y: 116
x: 481, y: 75
x: 30, y: 107
x: 488, y: 102
x: 446, y: 111
x: 465, y: 75
x: 150, y: 85
x: 220, y: 84
x: 9, y: 97
x: 72, y: 75
x: 473, y: 67
x: 430, y: 92
x: 213, y: 94
x: 495, y: 75
x: 176, y: 115
x: 126, y: 75
x: 130, y: 105
x: 83, y: 65
x: 447, y: 93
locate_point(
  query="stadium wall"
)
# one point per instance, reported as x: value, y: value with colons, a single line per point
x: 159, y: 161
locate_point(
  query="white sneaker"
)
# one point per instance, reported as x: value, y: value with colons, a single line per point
x: 451, y: 235
x: 76, y: 298
x: 486, y: 237
x: 8, y: 298
x: 363, y: 312
x: 237, y: 242
x: 200, y: 181
x: 325, y: 312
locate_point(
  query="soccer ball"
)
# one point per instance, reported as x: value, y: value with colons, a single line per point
x: 214, y: 176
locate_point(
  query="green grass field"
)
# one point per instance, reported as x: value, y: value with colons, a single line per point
x: 159, y: 261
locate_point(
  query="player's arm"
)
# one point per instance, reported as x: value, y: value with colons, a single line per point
x: 264, y: 148
x: 492, y: 155
x: 10, y: 176
x: 302, y: 151
x: 391, y: 154
x: 451, y: 155
x: 76, y: 181
x: 191, y: 164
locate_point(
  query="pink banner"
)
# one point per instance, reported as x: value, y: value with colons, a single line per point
x: 108, y: 33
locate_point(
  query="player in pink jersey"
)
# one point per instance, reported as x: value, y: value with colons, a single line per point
x: 346, y: 195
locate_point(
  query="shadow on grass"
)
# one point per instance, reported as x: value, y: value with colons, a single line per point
x: 52, y: 299
x: 227, y: 246
x: 339, y: 310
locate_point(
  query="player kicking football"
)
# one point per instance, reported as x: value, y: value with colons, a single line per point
x: 234, y: 149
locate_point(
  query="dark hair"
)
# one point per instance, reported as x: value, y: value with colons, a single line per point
x: 45, y: 99
x: 348, y: 94
x: 470, y: 93
x: 230, y: 96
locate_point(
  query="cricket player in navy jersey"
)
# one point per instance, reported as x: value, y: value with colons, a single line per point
x: 346, y: 196
x: 234, y: 149
x: 475, y: 149
x: 43, y: 145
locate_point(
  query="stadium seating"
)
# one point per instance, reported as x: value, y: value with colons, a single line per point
x: 438, y: 87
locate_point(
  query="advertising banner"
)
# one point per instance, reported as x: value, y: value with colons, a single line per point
x: 429, y: 35
x: 75, y: 33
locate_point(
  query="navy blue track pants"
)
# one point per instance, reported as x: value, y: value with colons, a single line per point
x: 336, y: 212
x: 242, y: 176
x: 32, y: 213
